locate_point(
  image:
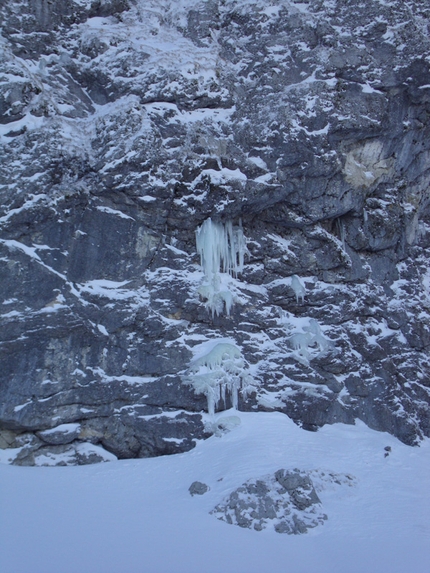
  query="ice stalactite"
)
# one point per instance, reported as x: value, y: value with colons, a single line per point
x: 220, y: 245
x: 298, y: 288
x: 222, y: 249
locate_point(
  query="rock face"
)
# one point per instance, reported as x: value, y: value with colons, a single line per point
x: 124, y: 126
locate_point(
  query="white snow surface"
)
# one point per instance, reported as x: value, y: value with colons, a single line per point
x: 137, y: 516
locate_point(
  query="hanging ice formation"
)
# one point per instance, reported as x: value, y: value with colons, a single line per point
x: 298, y: 288
x: 221, y: 247
x: 220, y: 371
x: 311, y: 340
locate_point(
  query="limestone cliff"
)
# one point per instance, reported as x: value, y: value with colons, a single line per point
x: 124, y: 126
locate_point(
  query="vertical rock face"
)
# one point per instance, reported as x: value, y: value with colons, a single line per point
x: 124, y: 126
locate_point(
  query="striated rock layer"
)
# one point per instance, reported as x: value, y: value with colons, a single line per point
x: 124, y: 125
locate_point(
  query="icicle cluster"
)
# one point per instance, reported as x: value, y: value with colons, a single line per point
x: 221, y: 247
x: 220, y: 371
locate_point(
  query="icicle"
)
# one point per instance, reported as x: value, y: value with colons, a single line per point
x: 240, y: 246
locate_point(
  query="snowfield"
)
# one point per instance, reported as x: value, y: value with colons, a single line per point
x: 137, y: 516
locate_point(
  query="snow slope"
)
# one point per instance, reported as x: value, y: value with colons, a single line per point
x: 137, y: 516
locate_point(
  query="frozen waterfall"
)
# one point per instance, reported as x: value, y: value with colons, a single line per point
x: 217, y: 371
x: 222, y: 248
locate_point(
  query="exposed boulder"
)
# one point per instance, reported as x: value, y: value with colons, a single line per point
x: 287, y: 501
x: 124, y: 126
x: 198, y: 488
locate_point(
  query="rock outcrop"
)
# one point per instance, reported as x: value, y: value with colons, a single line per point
x: 124, y: 126
x: 286, y: 501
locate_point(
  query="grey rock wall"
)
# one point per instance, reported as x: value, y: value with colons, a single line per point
x: 124, y: 126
